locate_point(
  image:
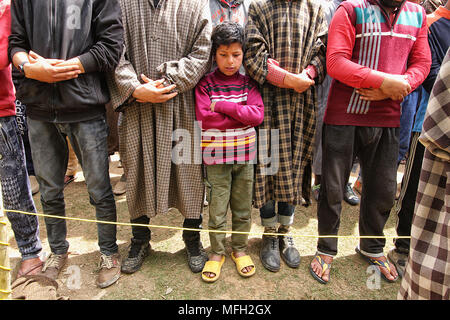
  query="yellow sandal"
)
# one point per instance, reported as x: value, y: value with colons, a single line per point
x: 212, y: 267
x: 244, y: 262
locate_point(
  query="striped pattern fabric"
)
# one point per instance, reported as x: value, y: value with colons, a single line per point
x: 371, y: 28
x: 427, y: 273
x: 294, y: 34
x: 228, y: 134
x: 383, y: 44
x: 230, y: 146
x: 172, y: 41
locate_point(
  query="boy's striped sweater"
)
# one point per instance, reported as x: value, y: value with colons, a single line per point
x: 228, y: 134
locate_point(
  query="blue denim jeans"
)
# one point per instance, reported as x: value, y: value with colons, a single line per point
x: 270, y: 218
x: 50, y: 154
x: 16, y: 191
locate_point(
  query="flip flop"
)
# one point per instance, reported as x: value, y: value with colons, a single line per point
x: 325, y: 266
x: 212, y: 267
x: 68, y: 179
x: 244, y: 262
x: 377, y: 263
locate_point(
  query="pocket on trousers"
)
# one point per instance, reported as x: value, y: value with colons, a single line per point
x: 208, y: 190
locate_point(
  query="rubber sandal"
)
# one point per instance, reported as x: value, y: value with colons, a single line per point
x: 244, y: 262
x: 378, y: 263
x: 325, y: 266
x: 212, y: 267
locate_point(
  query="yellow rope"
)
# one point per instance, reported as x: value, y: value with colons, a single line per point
x: 205, y: 230
x: 5, y: 268
x: 4, y: 244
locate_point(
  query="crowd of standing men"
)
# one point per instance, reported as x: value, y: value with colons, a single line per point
x: 337, y: 82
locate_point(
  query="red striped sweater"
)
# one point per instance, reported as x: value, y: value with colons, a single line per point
x: 363, y: 38
x: 228, y: 134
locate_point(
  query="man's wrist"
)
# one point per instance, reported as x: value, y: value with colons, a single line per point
x: 23, y: 66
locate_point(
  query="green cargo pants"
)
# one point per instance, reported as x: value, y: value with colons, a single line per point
x: 229, y: 185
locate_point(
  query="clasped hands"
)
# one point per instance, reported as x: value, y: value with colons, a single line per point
x: 153, y: 91
x: 52, y: 70
x: 395, y: 87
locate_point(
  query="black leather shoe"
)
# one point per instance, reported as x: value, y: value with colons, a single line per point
x: 270, y: 253
x: 289, y: 253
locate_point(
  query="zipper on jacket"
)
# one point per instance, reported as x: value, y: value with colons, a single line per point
x: 52, y: 35
x: 388, y: 18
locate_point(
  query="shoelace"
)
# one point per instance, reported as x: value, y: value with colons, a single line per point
x: 106, y: 262
x: 53, y: 261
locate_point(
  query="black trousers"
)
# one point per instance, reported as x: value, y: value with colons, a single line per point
x: 408, y: 194
x: 143, y: 234
x: 377, y: 151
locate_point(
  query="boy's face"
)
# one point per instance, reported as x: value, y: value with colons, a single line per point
x: 229, y: 58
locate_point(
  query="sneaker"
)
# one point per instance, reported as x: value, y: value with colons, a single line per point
x: 399, y: 260
x: 138, y: 250
x: 34, y: 185
x: 109, y: 270
x: 53, y: 265
x: 349, y: 195
x: 197, y: 256
x: 358, y: 186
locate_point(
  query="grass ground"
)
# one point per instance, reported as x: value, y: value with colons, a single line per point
x: 166, y: 276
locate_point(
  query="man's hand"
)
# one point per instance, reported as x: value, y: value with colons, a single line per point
x: 153, y: 91
x: 372, y: 94
x: 48, y: 70
x: 299, y: 82
x: 395, y: 87
x: 72, y: 62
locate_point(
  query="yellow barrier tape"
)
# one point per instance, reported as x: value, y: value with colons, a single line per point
x: 4, y: 244
x: 5, y: 268
x: 206, y: 230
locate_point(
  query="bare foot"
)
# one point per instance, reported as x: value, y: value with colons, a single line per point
x: 391, y: 272
x: 241, y: 254
x: 213, y: 257
x: 317, y: 267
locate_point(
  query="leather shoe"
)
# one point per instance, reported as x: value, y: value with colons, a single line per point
x: 289, y: 253
x: 270, y: 253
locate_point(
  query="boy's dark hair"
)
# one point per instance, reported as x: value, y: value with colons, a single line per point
x: 226, y: 33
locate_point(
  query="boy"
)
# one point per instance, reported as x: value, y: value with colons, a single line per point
x: 228, y: 106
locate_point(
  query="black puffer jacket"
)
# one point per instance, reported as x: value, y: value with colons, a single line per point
x: 62, y: 29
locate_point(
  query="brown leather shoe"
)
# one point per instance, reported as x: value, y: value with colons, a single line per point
x: 109, y: 270
x: 30, y: 267
x: 54, y: 264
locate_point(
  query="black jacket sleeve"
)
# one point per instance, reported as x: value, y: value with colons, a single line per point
x: 18, y: 40
x: 105, y: 54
